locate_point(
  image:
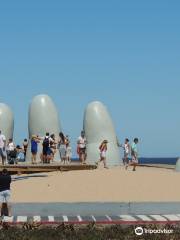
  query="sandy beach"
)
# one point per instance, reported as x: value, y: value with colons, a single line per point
x: 101, y: 185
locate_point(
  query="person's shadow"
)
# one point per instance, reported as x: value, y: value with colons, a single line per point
x: 27, y: 177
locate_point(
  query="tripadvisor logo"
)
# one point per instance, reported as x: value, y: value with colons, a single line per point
x: 139, y: 231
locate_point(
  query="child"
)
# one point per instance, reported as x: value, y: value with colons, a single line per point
x: 103, y: 150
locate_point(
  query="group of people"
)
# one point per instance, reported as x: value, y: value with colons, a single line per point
x: 130, y: 153
x: 49, y: 148
x: 81, y: 150
x: 16, y: 153
x: 11, y: 153
x: 50, y: 145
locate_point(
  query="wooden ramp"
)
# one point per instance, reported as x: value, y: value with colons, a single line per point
x: 35, y: 168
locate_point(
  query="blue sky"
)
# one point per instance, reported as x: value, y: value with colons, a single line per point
x: 123, y: 53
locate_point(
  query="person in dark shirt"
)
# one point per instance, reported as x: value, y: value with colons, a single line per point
x: 5, y: 193
x: 46, y: 148
x: 25, y: 146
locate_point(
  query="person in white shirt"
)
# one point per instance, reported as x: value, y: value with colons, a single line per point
x: 2, y: 148
x: 127, y: 149
x: 82, y: 148
x: 10, y: 146
x: 68, y: 152
x: 52, y: 144
x: 10, y: 149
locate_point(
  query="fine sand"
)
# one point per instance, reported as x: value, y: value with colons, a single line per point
x: 101, y: 185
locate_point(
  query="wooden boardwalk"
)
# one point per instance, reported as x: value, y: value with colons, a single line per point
x: 35, y: 168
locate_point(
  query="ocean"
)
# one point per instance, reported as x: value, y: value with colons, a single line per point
x: 165, y: 160
x: 153, y: 160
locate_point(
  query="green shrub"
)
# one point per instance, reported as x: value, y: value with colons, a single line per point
x: 32, y: 231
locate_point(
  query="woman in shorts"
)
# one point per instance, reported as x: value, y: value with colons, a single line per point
x: 103, y: 151
x: 34, y: 148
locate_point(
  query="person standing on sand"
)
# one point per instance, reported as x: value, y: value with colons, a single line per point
x: 5, y: 193
x: 2, y: 148
x: 34, y: 148
x: 127, y: 148
x: 134, y: 153
x: 81, y: 142
x: 103, y: 150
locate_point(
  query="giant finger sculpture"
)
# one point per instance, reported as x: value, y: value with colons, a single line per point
x: 6, y: 121
x: 98, y: 126
x: 43, y: 117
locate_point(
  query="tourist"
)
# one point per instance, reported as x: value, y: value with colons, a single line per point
x: 134, y: 153
x: 2, y: 148
x: 62, y: 147
x: 5, y: 193
x: 103, y: 150
x: 52, y: 143
x: 25, y: 146
x: 82, y: 147
x: 127, y: 148
x: 68, y: 153
x: 46, y: 149
x: 11, y: 151
x: 19, y: 154
x: 34, y: 148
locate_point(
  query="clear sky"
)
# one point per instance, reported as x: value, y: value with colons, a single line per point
x: 123, y: 53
